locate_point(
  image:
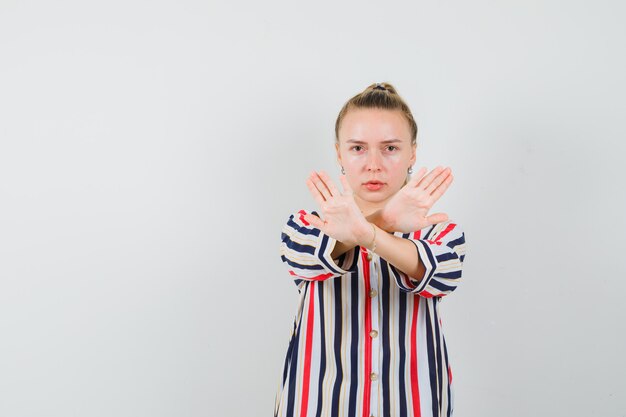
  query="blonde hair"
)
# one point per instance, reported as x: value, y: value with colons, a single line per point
x: 379, y: 96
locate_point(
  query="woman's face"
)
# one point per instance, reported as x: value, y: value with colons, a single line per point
x: 375, y: 151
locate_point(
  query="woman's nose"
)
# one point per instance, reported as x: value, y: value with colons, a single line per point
x: 373, y: 161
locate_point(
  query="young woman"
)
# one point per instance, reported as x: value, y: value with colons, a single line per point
x: 371, y: 269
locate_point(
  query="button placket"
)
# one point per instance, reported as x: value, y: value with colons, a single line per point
x: 374, y: 303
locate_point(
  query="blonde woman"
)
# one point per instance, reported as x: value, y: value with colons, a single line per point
x: 371, y: 268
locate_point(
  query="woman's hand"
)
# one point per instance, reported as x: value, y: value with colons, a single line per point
x: 341, y: 217
x: 407, y: 210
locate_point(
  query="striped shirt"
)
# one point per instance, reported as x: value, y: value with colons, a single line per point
x: 367, y: 339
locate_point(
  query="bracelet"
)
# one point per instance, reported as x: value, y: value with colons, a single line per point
x: 374, y: 239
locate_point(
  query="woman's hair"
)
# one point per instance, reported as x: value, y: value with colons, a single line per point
x: 378, y: 96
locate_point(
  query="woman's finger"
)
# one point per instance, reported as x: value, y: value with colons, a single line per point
x: 437, y: 218
x: 329, y: 183
x: 416, y: 178
x: 438, y: 180
x: 442, y: 188
x: 430, y: 177
x: 315, y: 221
x: 315, y: 192
x: 319, y: 184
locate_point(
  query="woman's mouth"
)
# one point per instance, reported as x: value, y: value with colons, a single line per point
x: 374, y: 185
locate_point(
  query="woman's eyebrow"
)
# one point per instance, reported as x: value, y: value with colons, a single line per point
x: 383, y: 141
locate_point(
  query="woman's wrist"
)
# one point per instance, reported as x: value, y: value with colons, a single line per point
x: 372, y: 244
x: 380, y: 219
x: 367, y: 237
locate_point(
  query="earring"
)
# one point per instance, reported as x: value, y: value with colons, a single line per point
x: 410, y: 170
x: 342, y: 171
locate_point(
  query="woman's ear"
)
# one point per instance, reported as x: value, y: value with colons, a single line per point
x: 338, y: 154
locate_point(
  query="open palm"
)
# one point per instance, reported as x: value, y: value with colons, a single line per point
x: 341, y: 217
x: 407, y: 210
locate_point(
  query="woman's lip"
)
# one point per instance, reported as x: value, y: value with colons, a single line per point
x: 373, y: 186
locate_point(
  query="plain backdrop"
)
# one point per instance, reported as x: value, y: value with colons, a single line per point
x: 152, y: 150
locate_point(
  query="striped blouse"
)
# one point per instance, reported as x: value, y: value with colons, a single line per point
x: 367, y: 339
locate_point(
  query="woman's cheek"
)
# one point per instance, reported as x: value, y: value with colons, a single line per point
x: 353, y: 166
x: 394, y: 164
x: 355, y: 161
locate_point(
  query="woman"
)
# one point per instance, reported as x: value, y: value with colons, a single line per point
x: 371, y: 270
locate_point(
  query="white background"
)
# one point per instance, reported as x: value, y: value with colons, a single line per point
x: 151, y: 151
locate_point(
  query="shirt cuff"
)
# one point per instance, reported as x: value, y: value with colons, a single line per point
x: 324, y: 250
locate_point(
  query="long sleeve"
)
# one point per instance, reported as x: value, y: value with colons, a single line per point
x: 306, y: 251
x: 441, y: 247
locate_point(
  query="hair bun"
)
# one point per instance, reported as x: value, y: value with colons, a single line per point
x: 383, y: 87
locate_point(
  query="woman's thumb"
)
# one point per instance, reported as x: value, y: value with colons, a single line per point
x: 314, y: 221
x: 347, y: 190
x: 437, y: 218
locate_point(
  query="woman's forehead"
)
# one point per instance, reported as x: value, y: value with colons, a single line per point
x: 374, y: 125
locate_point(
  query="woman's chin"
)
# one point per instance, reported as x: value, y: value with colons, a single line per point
x: 370, y: 197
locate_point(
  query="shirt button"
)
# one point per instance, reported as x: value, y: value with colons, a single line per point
x: 373, y: 293
x: 373, y: 333
x: 373, y: 376
x: 369, y: 256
